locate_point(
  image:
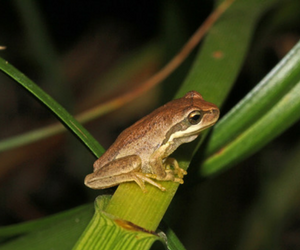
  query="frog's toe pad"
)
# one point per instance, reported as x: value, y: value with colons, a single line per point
x: 168, y: 177
x: 180, y: 172
x: 179, y: 180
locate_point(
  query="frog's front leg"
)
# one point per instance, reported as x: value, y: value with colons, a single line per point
x: 125, y: 169
x: 180, y: 172
x: 162, y: 170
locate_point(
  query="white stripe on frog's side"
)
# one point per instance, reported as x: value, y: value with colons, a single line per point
x: 189, y: 131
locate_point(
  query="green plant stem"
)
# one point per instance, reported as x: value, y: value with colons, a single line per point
x: 147, y: 210
x: 107, y: 232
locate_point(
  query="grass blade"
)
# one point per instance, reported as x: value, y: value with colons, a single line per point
x: 278, y: 115
x: 259, y: 101
x: 147, y: 210
x: 57, y: 109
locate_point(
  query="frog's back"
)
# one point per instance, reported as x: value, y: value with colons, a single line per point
x: 142, y: 138
x: 146, y: 135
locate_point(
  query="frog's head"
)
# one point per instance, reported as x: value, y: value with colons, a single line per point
x: 193, y: 115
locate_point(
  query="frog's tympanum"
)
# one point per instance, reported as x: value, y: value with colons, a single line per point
x: 140, y: 153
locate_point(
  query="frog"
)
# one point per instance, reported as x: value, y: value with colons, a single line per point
x: 141, y: 153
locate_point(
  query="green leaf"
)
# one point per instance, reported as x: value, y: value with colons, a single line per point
x: 233, y: 30
x: 36, y: 225
x: 124, y: 71
x: 224, y: 49
x: 108, y: 232
x: 269, y: 109
x: 55, y: 232
x: 263, y: 97
x: 57, y: 109
x: 173, y: 242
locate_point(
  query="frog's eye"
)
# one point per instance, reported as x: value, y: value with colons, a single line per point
x: 194, y: 117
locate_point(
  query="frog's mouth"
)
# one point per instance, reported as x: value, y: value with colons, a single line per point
x: 190, y: 131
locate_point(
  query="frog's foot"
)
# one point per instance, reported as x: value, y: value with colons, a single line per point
x: 140, y: 178
x: 177, y: 170
x: 170, y: 176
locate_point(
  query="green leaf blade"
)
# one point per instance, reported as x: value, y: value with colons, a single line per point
x: 279, y: 118
x: 55, y: 232
x: 218, y: 64
x: 129, y: 202
x: 69, y: 121
x: 262, y: 98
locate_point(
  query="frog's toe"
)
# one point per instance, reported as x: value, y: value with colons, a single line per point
x: 179, y: 180
x: 153, y: 176
x: 140, y: 182
x: 146, y: 178
x: 180, y: 172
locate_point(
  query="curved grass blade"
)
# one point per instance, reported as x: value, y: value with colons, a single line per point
x: 280, y: 117
x: 217, y: 66
x: 233, y: 30
x: 58, y: 232
x: 57, y: 109
x: 123, y: 72
x: 36, y: 225
x: 258, y: 102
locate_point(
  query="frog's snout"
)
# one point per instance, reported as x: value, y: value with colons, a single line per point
x: 216, y: 112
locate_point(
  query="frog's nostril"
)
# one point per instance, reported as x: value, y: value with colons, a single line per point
x: 215, y: 111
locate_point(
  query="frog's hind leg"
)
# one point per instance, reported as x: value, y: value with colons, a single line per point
x: 124, y: 169
x: 140, y: 178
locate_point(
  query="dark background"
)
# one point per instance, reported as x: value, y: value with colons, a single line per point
x: 88, y: 39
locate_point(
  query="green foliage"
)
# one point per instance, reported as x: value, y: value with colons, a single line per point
x: 269, y: 109
x: 60, y: 231
x: 272, y: 107
x: 114, y: 233
x: 57, y: 109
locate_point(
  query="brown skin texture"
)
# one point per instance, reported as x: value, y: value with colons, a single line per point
x: 142, y: 135
x: 140, y: 151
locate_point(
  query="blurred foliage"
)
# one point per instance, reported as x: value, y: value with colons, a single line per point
x: 252, y: 206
